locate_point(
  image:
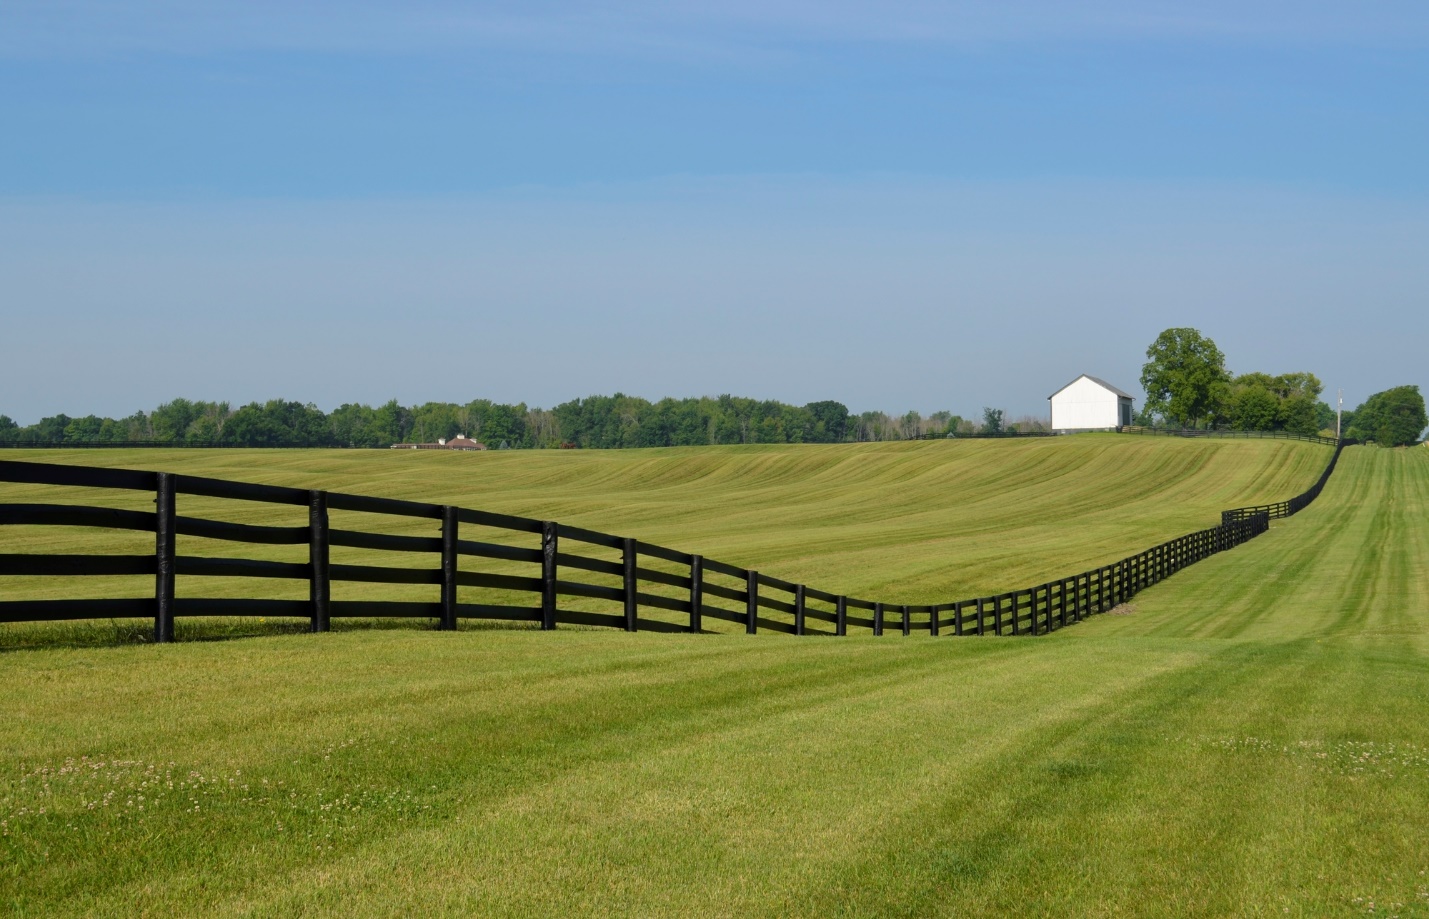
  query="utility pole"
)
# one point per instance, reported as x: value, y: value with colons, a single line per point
x: 1339, y: 413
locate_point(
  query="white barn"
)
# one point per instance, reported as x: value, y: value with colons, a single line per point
x: 1089, y: 404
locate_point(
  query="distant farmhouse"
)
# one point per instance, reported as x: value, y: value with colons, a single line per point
x: 459, y: 442
x: 1089, y: 404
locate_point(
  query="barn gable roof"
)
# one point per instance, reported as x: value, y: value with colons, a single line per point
x: 1100, y: 382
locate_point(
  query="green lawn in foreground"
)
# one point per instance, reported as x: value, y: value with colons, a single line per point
x: 1251, y: 740
x: 916, y: 522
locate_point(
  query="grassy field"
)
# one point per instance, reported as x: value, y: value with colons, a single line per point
x: 900, y: 522
x: 1251, y: 739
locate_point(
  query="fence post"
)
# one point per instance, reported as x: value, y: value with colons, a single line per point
x: 977, y: 606
x: 841, y: 614
x: 878, y: 618
x: 799, y: 609
x: 907, y: 622
x: 319, y: 562
x: 697, y: 592
x: 958, y: 618
x: 165, y: 510
x: 751, y: 612
x: 1016, y: 630
x: 449, y: 568
x: 549, y: 544
x: 997, y: 614
x: 933, y: 620
x: 628, y: 560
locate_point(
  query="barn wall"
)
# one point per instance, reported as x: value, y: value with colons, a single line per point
x: 1084, y: 404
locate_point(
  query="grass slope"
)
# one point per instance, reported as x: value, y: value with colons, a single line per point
x: 901, y: 522
x: 1228, y: 748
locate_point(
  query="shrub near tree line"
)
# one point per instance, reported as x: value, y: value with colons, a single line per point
x: 1288, y: 402
x: 1393, y: 418
x: 1187, y: 385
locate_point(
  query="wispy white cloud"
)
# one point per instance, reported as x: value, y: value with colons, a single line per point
x: 47, y: 28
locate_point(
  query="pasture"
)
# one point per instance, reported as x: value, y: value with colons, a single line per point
x: 901, y: 522
x: 1250, y: 739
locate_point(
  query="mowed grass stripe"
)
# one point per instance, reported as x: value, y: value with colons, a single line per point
x: 1355, y: 563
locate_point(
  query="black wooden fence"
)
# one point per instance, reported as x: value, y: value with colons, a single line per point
x: 705, y: 589
x: 1294, y: 505
x: 1146, y: 431
x: 1234, y: 435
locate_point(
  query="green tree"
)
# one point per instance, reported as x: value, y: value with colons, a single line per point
x: 1251, y: 406
x: 1299, y: 415
x: 172, y: 419
x: 1299, y: 400
x: 88, y: 429
x: 46, y: 431
x: 830, y: 421
x: 1393, y: 418
x: 389, y: 424
x: 991, y: 420
x: 434, y: 421
x: 1324, y: 417
x: 943, y: 421
x: 1185, y: 377
x: 9, y: 430
x: 277, y: 423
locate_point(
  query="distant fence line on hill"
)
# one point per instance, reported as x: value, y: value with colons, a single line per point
x: 1248, y: 435
x: 760, y: 602
x: 1146, y: 431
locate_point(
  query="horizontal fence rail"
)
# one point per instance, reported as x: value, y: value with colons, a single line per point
x: 1234, y: 435
x: 980, y: 435
x: 1132, y: 429
x: 558, y: 561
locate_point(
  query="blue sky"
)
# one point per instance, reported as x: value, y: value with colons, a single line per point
x: 897, y: 205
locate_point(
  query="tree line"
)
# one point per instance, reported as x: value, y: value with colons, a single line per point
x: 598, y: 422
x: 1187, y: 385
